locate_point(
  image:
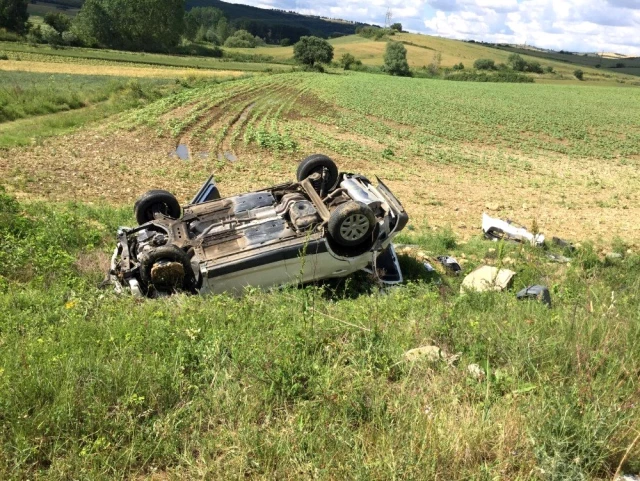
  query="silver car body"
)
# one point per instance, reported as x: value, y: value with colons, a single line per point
x: 272, y: 237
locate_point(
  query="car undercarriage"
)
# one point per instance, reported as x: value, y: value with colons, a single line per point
x: 325, y: 225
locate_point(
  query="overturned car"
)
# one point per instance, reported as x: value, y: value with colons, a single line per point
x: 325, y: 225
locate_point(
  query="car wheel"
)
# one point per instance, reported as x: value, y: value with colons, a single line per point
x: 156, y: 201
x: 319, y: 164
x: 352, y: 223
x: 167, y: 268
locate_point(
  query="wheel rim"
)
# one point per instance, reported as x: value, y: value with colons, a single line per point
x: 151, y: 211
x: 354, y: 227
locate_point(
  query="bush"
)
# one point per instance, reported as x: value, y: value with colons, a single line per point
x: 619, y: 65
x: 395, y: 60
x: 484, y: 64
x: 6, y: 36
x: 285, y: 42
x: 310, y: 51
x: 241, y: 39
x: 459, y: 66
x: 4, y: 56
x: 507, y: 76
x: 579, y: 74
x: 534, y: 67
x: 549, y: 69
x: 70, y: 38
x: 517, y: 63
x: 50, y: 35
x: 375, y: 33
x: 347, y: 61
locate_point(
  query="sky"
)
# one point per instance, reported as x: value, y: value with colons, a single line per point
x: 574, y: 25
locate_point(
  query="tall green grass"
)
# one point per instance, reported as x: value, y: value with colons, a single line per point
x: 24, y: 94
x: 308, y: 383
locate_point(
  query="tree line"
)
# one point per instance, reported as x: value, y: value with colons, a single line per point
x: 143, y: 25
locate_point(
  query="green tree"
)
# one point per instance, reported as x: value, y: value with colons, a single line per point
x: 397, y: 27
x: 14, y: 15
x: 311, y: 51
x: 57, y: 20
x: 395, y: 60
x: 201, y: 19
x: 579, y: 74
x: 152, y: 25
x: 223, y: 30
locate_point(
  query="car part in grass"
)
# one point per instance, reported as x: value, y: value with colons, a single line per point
x: 539, y: 293
x: 497, y: 229
x: 351, y: 223
x: 154, y: 203
x: 167, y: 268
x: 450, y: 264
x: 323, y: 170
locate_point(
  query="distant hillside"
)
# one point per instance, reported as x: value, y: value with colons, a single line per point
x: 620, y: 64
x: 257, y: 19
x: 240, y: 14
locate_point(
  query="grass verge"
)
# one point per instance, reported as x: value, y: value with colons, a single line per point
x: 309, y: 382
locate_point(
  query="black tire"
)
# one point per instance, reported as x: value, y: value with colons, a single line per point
x: 352, y: 224
x: 319, y: 163
x: 156, y: 201
x: 168, y: 253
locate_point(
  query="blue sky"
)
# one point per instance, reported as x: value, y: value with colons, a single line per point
x: 579, y: 25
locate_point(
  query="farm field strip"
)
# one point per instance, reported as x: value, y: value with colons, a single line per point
x: 115, y: 70
x: 85, y: 56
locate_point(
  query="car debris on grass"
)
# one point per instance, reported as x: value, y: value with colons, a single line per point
x: 539, y: 293
x: 498, y: 229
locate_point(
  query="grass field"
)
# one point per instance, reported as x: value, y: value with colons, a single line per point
x: 24, y: 94
x: 421, y: 50
x: 312, y: 383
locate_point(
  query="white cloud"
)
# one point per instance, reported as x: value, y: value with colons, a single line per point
x: 579, y: 25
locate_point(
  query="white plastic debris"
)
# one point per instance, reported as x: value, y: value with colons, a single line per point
x: 497, y: 229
